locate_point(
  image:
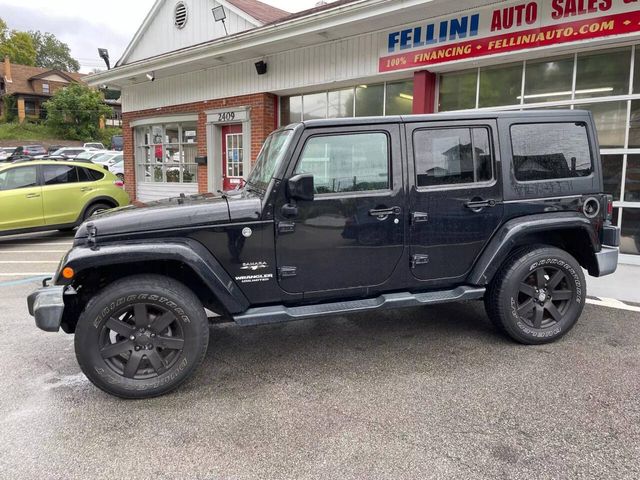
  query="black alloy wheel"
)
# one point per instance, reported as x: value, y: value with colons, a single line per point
x: 544, y: 297
x: 141, y: 341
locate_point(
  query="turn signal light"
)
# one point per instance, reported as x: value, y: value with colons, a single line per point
x: 68, y: 273
x: 119, y: 183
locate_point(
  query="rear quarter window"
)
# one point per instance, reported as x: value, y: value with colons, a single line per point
x: 94, y: 175
x: 550, y: 151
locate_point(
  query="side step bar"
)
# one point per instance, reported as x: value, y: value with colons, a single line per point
x: 279, y: 313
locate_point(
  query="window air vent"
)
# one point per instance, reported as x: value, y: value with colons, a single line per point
x: 180, y: 15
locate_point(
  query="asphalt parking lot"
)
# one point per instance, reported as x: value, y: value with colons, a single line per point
x: 419, y: 393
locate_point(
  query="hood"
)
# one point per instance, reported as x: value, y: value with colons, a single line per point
x: 166, y: 214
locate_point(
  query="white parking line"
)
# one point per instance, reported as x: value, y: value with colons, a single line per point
x: 25, y: 274
x: 613, y: 303
x: 36, y: 244
x: 35, y: 262
x: 32, y: 251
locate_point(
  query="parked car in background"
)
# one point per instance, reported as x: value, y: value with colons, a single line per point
x: 6, y: 152
x: 107, y: 159
x: 30, y: 150
x: 69, y: 152
x: 96, y: 145
x: 54, y: 148
x: 55, y: 195
x: 89, y: 154
x: 117, y: 142
x: 118, y: 169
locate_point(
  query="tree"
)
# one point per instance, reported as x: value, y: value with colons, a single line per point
x: 52, y: 53
x: 75, y: 112
x: 18, y: 46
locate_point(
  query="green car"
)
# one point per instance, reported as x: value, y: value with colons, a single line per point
x: 55, y: 195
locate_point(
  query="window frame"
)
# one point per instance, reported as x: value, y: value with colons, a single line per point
x: 456, y: 186
x: 359, y: 193
x: 562, y: 179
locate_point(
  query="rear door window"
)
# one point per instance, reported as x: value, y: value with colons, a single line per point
x: 550, y: 151
x: 59, y: 174
x: 452, y: 156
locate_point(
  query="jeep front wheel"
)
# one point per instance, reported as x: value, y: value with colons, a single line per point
x: 142, y: 336
x: 538, y: 295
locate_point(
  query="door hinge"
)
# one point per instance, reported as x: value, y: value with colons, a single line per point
x: 419, y: 260
x: 286, y: 227
x: 287, y: 272
x: 419, y: 217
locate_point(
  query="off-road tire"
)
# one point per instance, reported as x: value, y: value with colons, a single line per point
x: 537, y: 295
x: 153, y: 359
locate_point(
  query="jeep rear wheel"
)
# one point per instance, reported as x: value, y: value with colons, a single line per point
x: 142, y: 337
x: 538, y: 295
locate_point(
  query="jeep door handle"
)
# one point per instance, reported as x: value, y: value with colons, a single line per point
x: 385, y: 212
x: 479, y: 204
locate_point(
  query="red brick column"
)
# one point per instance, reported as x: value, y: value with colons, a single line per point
x: 128, y: 151
x: 424, y: 92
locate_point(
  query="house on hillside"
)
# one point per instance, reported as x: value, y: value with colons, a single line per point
x: 32, y: 86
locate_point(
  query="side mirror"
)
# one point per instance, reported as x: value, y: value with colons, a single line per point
x: 300, y: 187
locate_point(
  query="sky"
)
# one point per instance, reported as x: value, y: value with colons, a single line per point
x: 86, y: 25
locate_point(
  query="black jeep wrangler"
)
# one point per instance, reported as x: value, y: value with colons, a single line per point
x: 339, y: 216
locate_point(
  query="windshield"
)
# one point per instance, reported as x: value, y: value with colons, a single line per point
x: 269, y: 158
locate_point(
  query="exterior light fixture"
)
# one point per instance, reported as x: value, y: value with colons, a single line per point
x: 219, y: 15
x: 104, y: 55
x: 261, y: 67
x: 151, y: 76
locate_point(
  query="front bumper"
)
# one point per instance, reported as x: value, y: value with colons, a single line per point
x: 47, y: 306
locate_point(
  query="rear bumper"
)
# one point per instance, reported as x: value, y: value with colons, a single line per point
x: 47, y: 306
x: 607, y: 261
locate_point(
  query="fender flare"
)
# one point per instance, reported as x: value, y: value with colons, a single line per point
x: 185, y: 251
x: 507, y: 236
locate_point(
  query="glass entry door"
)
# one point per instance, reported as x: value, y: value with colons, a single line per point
x: 232, y: 157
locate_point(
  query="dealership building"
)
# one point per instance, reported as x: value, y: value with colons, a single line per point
x: 204, y: 82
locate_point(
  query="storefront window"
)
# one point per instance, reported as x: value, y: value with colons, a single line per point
x: 603, y: 73
x: 549, y: 84
x: 315, y: 106
x: 291, y: 110
x: 399, y: 99
x: 341, y: 103
x: 636, y: 71
x: 634, y: 125
x: 500, y: 85
x: 548, y: 80
x: 369, y: 100
x: 458, y: 90
x: 167, y: 153
x: 632, y: 179
x: 611, y: 122
x: 612, y: 173
x: 630, y: 242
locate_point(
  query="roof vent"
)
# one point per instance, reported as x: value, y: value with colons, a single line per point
x: 180, y: 15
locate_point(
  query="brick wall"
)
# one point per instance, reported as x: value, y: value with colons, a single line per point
x: 263, y: 111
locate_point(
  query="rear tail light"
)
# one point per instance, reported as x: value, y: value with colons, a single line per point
x: 609, y: 208
x: 119, y: 183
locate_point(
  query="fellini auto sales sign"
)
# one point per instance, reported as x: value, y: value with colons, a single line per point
x: 506, y: 27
